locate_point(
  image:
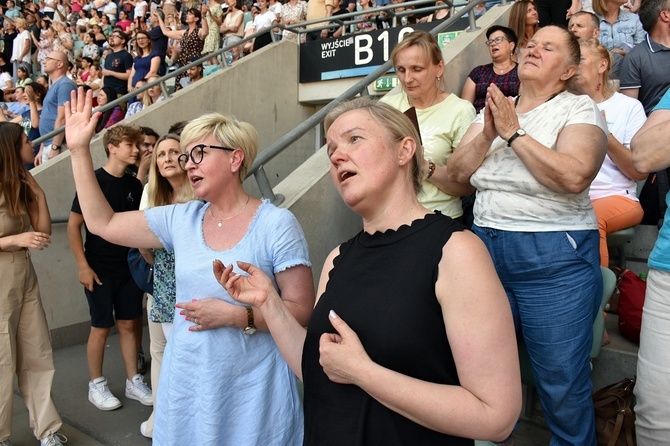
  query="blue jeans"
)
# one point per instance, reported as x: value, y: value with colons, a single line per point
x: 554, y: 285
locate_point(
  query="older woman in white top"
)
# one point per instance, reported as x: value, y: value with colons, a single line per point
x: 532, y: 160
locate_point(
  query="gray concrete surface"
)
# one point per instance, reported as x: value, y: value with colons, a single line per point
x: 84, y: 425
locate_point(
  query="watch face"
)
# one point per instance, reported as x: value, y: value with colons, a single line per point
x: 249, y: 331
x: 521, y: 132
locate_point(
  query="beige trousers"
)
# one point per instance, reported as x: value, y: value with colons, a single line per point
x: 25, y: 347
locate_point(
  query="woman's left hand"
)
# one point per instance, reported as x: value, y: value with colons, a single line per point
x: 341, y: 353
x: 206, y: 313
x: 502, y: 108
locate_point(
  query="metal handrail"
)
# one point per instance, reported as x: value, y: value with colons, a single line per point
x: 294, y: 27
x: 282, y: 143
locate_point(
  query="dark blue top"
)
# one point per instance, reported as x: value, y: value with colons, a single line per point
x: 142, y: 66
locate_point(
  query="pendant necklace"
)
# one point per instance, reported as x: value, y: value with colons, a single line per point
x: 219, y: 222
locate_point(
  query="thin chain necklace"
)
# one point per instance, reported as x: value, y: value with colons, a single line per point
x: 503, y: 70
x: 437, y: 94
x: 219, y: 221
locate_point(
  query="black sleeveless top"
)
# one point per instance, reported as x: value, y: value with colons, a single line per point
x: 383, y: 286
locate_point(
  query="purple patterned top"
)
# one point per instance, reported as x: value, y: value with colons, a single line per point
x: 483, y: 76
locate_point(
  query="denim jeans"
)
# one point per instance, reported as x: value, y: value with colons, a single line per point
x: 554, y: 285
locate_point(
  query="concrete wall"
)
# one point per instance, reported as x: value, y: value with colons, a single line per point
x: 261, y: 89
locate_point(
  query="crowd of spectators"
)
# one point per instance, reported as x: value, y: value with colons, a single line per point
x: 120, y: 43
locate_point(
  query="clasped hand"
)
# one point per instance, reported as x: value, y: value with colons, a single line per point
x: 500, y: 118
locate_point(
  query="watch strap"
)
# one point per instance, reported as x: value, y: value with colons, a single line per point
x: 250, y: 317
x: 516, y: 134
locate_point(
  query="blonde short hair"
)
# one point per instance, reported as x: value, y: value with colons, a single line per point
x: 229, y: 132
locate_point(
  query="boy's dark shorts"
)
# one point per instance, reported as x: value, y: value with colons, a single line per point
x: 115, y: 298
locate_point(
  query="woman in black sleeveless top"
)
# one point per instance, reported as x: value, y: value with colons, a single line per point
x: 412, y: 339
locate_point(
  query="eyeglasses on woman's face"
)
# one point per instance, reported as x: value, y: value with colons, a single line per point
x: 497, y: 41
x: 197, y: 153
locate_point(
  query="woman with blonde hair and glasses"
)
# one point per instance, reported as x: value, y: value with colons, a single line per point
x: 223, y: 378
x: 443, y: 117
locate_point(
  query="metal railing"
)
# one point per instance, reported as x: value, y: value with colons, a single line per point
x: 359, y: 87
x: 257, y: 169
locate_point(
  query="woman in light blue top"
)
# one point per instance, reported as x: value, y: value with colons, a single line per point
x: 223, y: 379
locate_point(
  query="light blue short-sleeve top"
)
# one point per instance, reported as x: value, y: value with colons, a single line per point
x: 221, y: 386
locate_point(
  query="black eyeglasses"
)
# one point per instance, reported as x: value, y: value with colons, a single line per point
x: 497, y: 41
x: 197, y: 153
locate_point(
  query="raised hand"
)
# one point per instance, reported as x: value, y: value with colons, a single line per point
x: 80, y: 121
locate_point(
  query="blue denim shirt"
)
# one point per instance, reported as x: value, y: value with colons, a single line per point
x: 627, y: 29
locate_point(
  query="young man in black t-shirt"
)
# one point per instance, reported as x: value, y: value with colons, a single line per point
x: 103, y: 270
x: 118, y: 64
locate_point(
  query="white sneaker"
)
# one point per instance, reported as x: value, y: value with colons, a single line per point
x: 143, y: 430
x: 100, y: 396
x: 138, y: 391
x: 53, y: 440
